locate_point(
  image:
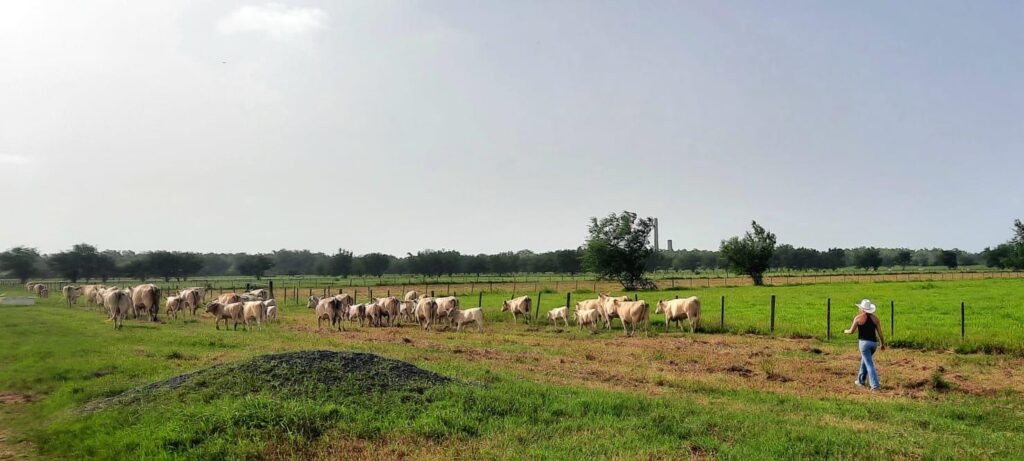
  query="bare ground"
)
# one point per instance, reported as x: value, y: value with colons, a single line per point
x: 675, y: 362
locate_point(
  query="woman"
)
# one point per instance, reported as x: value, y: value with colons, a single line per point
x: 869, y: 332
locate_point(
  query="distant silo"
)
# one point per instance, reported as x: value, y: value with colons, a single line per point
x: 655, y: 234
x: 669, y: 244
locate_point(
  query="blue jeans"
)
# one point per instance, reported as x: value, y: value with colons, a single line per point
x: 867, y: 363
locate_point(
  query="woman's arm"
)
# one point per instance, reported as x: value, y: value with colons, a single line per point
x: 878, y: 328
x: 853, y: 327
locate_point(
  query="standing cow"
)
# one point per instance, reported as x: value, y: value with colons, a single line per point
x: 518, y: 306
x: 146, y: 298
x: 632, y: 314
x: 70, y: 294
x: 676, y: 310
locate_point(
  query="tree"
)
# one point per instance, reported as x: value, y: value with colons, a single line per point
x: 163, y: 264
x: 255, y: 265
x: 948, y: 258
x: 340, y: 264
x: 1009, y: 255
x: 66, y: 265
x: 189, y: 264
x: 903, y: 258
x: 750, y: 255
x: 83, y: 261
x: 104, y: 266
x: 834, y: 258
x: 136, y: 269
x: 20, y: 262
x: 867, y: 258
x: 568, y: 261
x: 375, y: 263
x: 618, y: 247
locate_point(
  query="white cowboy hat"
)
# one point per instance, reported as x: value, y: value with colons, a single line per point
x: 866, y: 306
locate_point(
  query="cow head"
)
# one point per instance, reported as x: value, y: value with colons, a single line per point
x: 213, y: 307
x: 313, y: 301
x: 505, y: 306
x: 661, y: 307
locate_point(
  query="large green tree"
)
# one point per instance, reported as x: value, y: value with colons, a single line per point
x: 948, y: 258
x: 374, y: 263
x: 20, y: 262
x: 618, y: 248
x: 255, y: 265
x: 82, y: 261
x: 340, y: 263
x: 1010, y: 254
x: 903, y: 257
x: 867, y: 258
x: 752, y: 254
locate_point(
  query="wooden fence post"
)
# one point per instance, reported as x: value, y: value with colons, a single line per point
x: 723, y: 313
x: 538, y: 306
x: 568, y: 299
x: 962, y: 328
x: 892, y: 318
x: 772, y: 326
x: 480, y: 299
x: 828, y: 319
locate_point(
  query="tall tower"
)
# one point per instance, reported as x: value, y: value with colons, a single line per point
x: 655, y: 234
x: 668, y: 245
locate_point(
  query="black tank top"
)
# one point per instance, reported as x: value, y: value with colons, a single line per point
x: 866, y: 332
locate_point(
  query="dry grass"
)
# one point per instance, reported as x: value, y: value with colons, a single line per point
x: 671, y: 363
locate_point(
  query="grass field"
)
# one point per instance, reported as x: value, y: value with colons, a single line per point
x: 540, y: 391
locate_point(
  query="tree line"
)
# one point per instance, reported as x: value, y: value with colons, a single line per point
x: 618, y: 248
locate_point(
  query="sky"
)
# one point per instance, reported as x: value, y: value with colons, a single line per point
x: 486, y: 126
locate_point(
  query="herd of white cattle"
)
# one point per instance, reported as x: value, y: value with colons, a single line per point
x: 254, y: 308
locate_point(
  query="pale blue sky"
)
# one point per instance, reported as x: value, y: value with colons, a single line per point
x: 489, y: 126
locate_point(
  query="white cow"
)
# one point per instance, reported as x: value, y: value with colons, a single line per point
x: 559, y: 313
x: 518, y: 306
x: 473, y: 315
x: 679, y: 309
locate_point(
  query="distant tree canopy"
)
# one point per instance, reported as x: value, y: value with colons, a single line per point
x: 948, y: 258
x: 255, y: 265
x: 21, y: 262
x: 904, y: 257
x: 618, y: 249
x: 84, y: 261
x: 868, y: 258
x: 374, y: 264
x: 1009, y: 255
x: 340, y: 264
x: 169, y: 265
x: 752, y: 254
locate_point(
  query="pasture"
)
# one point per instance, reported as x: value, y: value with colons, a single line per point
x: 542, y: 391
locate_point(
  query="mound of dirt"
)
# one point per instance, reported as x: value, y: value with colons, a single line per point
x: 314, y: 374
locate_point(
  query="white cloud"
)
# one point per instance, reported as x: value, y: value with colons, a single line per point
x: 277, y: 20
x: 10, y: 159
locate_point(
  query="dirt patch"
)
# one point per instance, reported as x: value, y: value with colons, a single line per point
x: 310, y: 373
x: 12, y: 398
x: 804, y: 367
x: 742, y: 371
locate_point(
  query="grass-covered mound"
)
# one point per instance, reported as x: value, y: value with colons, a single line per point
x: 308, y: 374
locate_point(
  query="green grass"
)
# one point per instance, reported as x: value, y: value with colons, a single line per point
x: 927, y: 314
x: 71, y: 357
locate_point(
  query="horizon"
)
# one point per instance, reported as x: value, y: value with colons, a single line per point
x: 395, y: 127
